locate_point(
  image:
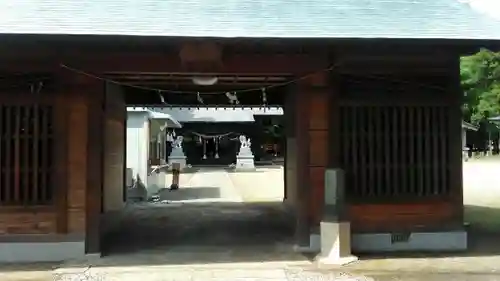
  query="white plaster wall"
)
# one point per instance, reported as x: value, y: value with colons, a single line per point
x: 137, y: 146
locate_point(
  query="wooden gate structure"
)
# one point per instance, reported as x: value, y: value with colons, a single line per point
x: 391, y: 123
x: 386, y: 111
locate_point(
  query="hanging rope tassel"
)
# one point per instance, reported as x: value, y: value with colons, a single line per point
x: 198, y: 97
x: 216, y: 141
x: 162, y: 99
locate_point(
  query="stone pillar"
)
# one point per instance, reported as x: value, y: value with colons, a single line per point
x: 335, y: 228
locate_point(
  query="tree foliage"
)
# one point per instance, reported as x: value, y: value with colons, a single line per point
x: 480, y: 74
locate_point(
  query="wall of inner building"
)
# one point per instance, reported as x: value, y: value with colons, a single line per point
x: 207, y: 144
x: 216, y: 141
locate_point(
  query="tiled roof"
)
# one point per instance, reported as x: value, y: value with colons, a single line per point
x: 151, y: 114
x: 448, y: 19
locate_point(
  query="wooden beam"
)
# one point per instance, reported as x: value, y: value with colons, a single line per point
x: 171, y: 63
x: 137, y: 62
x: 386, y: 64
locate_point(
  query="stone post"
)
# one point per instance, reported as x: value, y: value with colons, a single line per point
x: 335, y: 229
x: 176, y: 171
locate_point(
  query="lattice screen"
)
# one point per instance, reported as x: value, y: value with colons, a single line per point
x: 26, y: 155
x: 395, y: 151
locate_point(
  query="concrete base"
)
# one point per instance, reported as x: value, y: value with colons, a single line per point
x: 11, y: 252
x: 335, y: 243
x: 417, y: 241
x: 381, y: 242
x: 245, y: 162
x: 177, y: 159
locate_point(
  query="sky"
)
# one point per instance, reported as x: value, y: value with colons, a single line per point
x: 488, y: 7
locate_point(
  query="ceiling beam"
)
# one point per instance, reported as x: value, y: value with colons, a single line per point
x: 262, y: 65
x: 150, y: 62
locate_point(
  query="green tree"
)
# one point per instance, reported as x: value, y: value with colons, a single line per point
x: 480, y: 74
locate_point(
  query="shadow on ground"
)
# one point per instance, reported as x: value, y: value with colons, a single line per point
x: 214, y: 232
x: 218, y: 233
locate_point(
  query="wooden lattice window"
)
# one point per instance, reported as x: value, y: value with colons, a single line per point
x: 26, y: 155
x: 395, y: 151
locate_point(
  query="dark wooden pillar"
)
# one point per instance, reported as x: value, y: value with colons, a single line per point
x: 301, y: 173
x: 114, y: 146
x: 316, y: 91
x: 61, y: 130
x: 290, y: 165
x: 455, y: 97
x: 307, y: 156
x: 95, y: 91
x: 334, y: 140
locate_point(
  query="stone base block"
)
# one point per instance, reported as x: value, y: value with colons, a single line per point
x: 382, y: 242
x: 245, y: 163
x: 177, y: 159
x: 12, y: 252
x: 335, y: 243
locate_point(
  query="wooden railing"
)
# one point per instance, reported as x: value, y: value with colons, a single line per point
x: 26, y: 155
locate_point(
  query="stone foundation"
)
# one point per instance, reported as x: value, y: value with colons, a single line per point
x: 418, y: 241
x: 41, y: 250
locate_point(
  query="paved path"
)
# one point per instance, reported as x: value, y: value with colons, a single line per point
x: 482, y: 195
x: 265, y: 184
x: 207, y: 210
x: 482, y: 183
x: 205, y: 185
